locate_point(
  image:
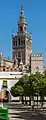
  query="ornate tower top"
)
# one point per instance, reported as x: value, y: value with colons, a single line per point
x: 22, y: 7
x: 22, y: 11
x: 22, y: 24
x: 22, y: 17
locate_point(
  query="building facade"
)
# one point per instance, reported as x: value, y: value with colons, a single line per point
x: 5, y: 63
x: 37, y: 63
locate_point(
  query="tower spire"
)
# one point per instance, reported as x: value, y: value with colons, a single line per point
x: 22, y: 11
x: 22, y: 24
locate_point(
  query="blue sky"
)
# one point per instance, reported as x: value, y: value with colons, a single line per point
x: 35, y: 12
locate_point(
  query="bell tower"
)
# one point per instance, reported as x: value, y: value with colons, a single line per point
x: 22, y: 42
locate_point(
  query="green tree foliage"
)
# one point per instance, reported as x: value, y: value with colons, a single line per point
x: 32, y: 85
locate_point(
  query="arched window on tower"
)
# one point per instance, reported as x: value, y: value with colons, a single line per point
x: 21, y: 28
x: 19, y: 54
x: 22, y: 40
x: 13, y: 42
x: 19, y: 41
x: 25, y: 28
x: 16, y: 42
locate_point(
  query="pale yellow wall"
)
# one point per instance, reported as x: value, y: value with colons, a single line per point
x: 36, y: 61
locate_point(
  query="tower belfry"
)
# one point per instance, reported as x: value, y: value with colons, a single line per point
x: 22, y: 24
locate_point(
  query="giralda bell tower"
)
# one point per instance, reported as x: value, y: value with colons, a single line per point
x: 22, y: 42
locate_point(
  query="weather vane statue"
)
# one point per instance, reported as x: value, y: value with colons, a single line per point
x: 22, y: 6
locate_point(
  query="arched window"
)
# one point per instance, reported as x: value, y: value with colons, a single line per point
x: 19, y: 41
x: 22, y: 40
x: 25, y: 28
x: 21, y: 28
x: 16, y: 42
x: 13, y: 42
x: 19, y: 54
